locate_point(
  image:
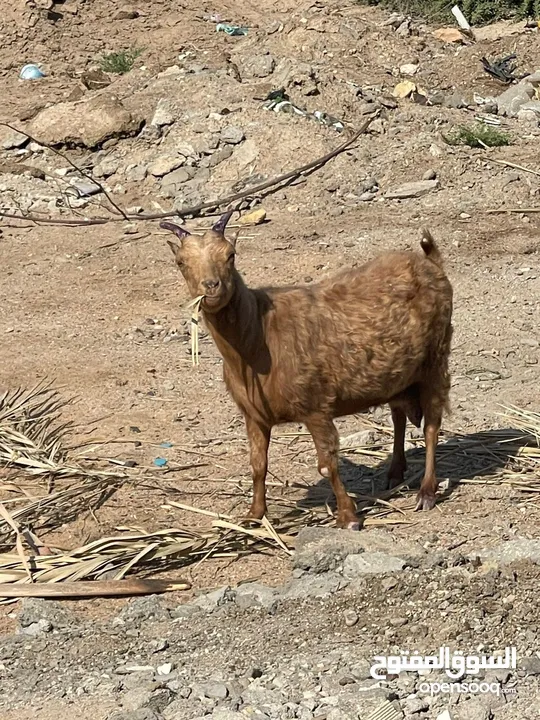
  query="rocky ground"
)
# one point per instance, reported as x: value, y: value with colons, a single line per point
x: 100, y: 310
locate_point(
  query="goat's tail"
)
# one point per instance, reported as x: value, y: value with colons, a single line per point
x: 429, y: 246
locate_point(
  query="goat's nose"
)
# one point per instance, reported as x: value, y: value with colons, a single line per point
x: 210, y: 284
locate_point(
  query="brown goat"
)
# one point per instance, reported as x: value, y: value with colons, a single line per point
x: 368, y: 336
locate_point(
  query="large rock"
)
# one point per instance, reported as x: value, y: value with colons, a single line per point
x: 88, y: 123
x: 322, y: 549
x: 512, y: 551
x: 510, y: 102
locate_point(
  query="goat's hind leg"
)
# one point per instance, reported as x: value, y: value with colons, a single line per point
x: 326, y: 439
x: 398, y: 466
x: 404, y: 406
x: 425, y: 499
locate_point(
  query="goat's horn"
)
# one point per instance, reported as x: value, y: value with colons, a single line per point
x: 178, y: 230
x: 222, y: 222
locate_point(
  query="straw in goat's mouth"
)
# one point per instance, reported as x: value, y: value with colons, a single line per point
x: 196, y: 305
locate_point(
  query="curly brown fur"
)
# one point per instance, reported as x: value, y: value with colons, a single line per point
x: 362, y: 338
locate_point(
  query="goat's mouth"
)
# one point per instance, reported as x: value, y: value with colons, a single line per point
x: 212, y: 302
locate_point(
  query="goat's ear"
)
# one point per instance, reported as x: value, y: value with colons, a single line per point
x: 178, y: 230
x: 233, y: 237
x: 174, y: 247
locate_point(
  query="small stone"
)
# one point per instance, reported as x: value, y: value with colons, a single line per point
x: 223, y: 153
x: 408, y: 69
x: 350, y: 617
x: 250, y: 595
x: 455, y: 100
x: 211, y: 601
x: 179, y: 176
x: 165, y: 164
x: 107, y: 167
x: 259, y: 66
x: 412, y: 190
x: 232, y: 135
x: 136, y: 173
x: 95, y: 79
x: 15, y: 140
x: 429, y: 175
x: 215, y: 690
x: 162, y: 114
x: 126, y: 13
x: 414, y: 704
x: 531, y: 665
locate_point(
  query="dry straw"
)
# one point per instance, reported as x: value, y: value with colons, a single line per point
x: 196, y: 305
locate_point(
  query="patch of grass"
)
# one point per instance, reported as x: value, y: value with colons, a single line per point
x: 477, y: 12
x: 477, y: 136
x: 120, y: 62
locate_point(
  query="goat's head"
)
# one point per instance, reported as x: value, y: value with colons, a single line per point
x: 207, y: 262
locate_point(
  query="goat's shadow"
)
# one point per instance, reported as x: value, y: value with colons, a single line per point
x: 460, y: 457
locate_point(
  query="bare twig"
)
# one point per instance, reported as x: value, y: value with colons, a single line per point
x: 514, y: 210
x: 515, y: 166
x: 209, y: 205
x: 71, y: 163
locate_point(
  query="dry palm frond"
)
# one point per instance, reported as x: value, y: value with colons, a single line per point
x: 30, y: 435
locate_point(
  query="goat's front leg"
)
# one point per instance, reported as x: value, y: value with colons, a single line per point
x: 259, y: 440
x: 326, y: 439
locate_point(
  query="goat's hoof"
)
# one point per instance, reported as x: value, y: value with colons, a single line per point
x: 395, y: 480
x: 348, y: 524
x: 425, y: 501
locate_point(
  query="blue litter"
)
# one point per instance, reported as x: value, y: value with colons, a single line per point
x: 31, y: 72
x: 231, y: 29
x: 160, y: 462
x: 166, y: 445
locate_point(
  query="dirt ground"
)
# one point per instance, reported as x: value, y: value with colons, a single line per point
x: 90, y: 307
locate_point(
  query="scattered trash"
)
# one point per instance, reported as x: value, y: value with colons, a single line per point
x: 166, y: 445
x: 83, y: 188
x: 502, y: 69
x: 279, y: 101
x: 31, y: 72
x: 387, y: 711
x: 488, y: 120
x: 462, y: 21
x: 449, y: 35
x: 123, y: 463
x: 160, y: 462
x: 231, y: 29
x: 255, y: 217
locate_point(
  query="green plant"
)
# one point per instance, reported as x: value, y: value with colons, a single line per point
x: 477, y: 136
x: 477, y: 12
x: 120, y: 62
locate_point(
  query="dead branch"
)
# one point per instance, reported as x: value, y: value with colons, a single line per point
x: 88, y: 176
x: 209, y: 205
x: 92, y: 588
